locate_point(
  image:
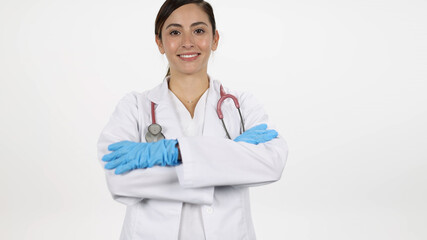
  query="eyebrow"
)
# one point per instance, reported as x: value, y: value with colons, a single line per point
x: 180, y: 26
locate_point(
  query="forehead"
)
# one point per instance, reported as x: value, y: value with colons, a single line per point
x: 187, y: 14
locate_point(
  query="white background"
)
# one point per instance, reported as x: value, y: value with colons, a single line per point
x: 344, y: 81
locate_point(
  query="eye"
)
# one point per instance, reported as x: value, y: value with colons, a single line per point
x: 174, y: 32
x: 199, y: 31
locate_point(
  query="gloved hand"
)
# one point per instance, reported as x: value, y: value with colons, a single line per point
x: 257, y: 134
x: 127, y: 155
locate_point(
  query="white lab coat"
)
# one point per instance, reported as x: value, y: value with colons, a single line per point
x: 216, y: 172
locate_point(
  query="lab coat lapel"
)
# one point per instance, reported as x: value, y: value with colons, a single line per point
x: 165, y: 113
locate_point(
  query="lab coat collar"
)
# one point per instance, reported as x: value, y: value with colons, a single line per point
x: 159, y: 94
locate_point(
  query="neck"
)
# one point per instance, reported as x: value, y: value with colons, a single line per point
x: 188, y: 88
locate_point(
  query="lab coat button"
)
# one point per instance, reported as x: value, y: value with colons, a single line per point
x: 209, y: 210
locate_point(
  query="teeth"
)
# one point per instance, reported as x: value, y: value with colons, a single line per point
x: 188, y: 56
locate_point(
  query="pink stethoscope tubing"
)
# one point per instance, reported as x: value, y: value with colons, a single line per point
x: 219, y: 112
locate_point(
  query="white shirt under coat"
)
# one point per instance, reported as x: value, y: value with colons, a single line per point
x: 191, y: 226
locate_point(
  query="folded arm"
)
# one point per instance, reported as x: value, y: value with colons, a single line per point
x: 212, y: 161
x: 154, y: 183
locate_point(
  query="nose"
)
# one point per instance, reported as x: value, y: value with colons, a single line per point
x: 187, y: 40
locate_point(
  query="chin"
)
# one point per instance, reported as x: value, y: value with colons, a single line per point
x: 190, y: 71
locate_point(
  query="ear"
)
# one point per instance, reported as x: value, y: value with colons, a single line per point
x: 160, y: 45
x: 216, y: 40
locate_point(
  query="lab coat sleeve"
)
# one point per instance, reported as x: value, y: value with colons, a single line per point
x: 215, y: 161
x: 152, y: 183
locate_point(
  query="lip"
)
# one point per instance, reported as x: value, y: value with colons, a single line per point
x: 189, y: 58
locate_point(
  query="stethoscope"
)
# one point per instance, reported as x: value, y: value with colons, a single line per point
x: 154, y: 132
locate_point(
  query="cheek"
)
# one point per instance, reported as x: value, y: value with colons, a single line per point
x: 170, y: 46
x: 205, y: 44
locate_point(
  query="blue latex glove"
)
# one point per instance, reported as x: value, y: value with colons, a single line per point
x: 127, y: 155
x: 257, y: 134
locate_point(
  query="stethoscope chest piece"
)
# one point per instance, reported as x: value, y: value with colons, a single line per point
x: 154, y: 133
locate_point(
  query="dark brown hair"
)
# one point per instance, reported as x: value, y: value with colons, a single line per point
x: 171, y: 5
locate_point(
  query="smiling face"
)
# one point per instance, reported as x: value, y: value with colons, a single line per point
x: 187, y: 40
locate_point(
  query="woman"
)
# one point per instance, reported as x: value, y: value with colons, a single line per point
x: 194, y: 183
